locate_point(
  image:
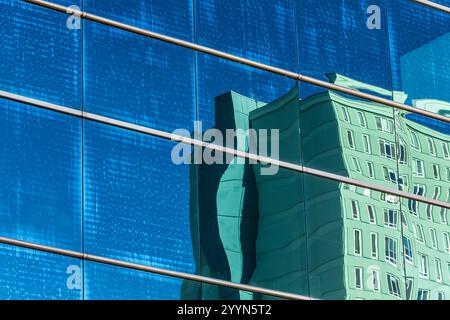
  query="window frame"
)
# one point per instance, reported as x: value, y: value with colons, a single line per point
x: 350, y: 136
x: 371, y: 213
x: 394, y: 283
x: 390, y: 247
x: 358, y: 277
x: 408, y: 250
x: 431, y: 146
x: 366, y: 143
x: 357, y: 242
x: 424, y: 266
x: 374, y: 241
x: 361, y: 119
x: 355, y: 209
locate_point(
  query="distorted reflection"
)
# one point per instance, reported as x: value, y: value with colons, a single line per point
x: 311, y: 236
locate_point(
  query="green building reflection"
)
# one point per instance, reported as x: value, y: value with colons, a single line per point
x: 308, y: 235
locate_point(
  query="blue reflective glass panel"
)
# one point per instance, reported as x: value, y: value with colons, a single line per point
x: 137, y: 79
x: 40, y: 55
x: 40, y: 166
x: 169, y: 17
x: 263, y: 31
x: 28, y: 274
x: 136, y: 199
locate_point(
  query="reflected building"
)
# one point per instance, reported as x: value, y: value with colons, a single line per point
x: 303, y: 234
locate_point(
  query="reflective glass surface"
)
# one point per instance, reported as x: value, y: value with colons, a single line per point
x: 91, y: 187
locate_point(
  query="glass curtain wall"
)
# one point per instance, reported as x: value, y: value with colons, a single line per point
x: 90, y: 187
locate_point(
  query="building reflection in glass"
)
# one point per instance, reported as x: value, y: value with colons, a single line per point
x: 311, y: 236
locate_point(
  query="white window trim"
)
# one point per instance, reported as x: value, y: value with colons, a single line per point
x: 438, y: 177
x: 348, y: 131
x: 376, y: 288
x: 426, y: 266
x: 395, y: 216
x: 346, y: 115
x: 418, y: 229
x: 408, y: 259
x: 374, y: 214
x: 388, y: 258
x: 446, y: 239
x: 397, y: 280
x: 359, y: 241
x: 360, y: 278
x: 356, y: 206
x: 376, y: 245
x: 369, y: 167
x: 362, y: 117
x: 438, y: 269
x: 416, y: 167
x: 431, y: 146
x: 356, y: 165
x: 433, y: 236
x: 366, y: 142
x: 445, y: 150
x: 413, y: 143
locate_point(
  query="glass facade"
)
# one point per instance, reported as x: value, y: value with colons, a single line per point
x: 321, y: 225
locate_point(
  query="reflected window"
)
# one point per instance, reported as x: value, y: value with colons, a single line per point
x: 423, y: 294
x: 358, y: 278
x: 366, y: 141
x: 391, y: 250
x: 403, y: 182
x: 423, y: 266
x: 384, y: 124
x: 345, y: 115
x: 393, y: 285
x: 371, y: 213
x: 446, y: 242
x: 440, y: 295
x: 433, y: 238
x: 371, y: 171
x: 355, y: 209
x: 436, y: 172
x: 445, y: 150
x: 415, y: 142
x: 413, y: 204
x: 418, y: 169
x: 356, y: 164
x: 390, y: 174
x: 376, y: 280
x: 448, y: 270
x: 419, y: 233
x: 438, y: 267
x: 350, y: 140
x: 403, y: 156
x: 436, y: 192
x: 407, y: 247
x: 387, y: 149
x: 431, y: 146
x: 430, y: 212
x: 443, y: 215
x: 389, y: 198
x: 404, y: 221
x: 374, y: 245
x: 409, y: 288
x: 362, y: 119
x: 390, y: 218
x: 357, y: 242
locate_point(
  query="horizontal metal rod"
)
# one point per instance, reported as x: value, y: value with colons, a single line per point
x: 433, y: 5
x: 140, y: 267
x: 227, y: 56
x: 203, y: 144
